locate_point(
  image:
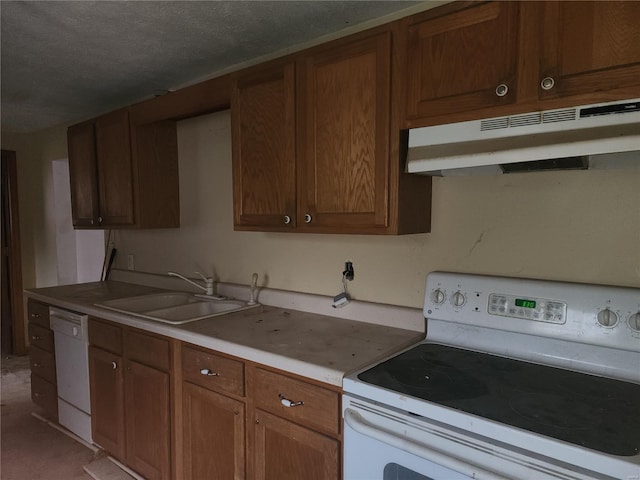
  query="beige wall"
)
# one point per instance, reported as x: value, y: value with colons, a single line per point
x: 575, y: 226
x: 34, y: 154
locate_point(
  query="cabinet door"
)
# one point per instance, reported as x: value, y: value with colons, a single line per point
x: 286, y: 451
x: 462, y: 62
x: 264, y: 132
x: 83, y: 174
x: 107, y: 401
x: 343, y: 120
x: 590, y: 48
x: 148, y: 421
x: 213, y: 435
x: 115, y: 169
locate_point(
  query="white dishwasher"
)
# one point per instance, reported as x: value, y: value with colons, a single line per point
x: 71, y: 334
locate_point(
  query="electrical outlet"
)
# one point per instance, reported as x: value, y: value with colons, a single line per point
x: 131, y: 265
x: 348, y: 273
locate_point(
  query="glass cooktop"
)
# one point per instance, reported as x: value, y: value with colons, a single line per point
x: 594, y: 412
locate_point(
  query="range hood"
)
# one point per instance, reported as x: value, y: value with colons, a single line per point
x: 605, y: 135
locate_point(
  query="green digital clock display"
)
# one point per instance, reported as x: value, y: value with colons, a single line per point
x: 525, y: 303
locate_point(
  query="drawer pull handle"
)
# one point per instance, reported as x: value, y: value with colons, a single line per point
x: 35, y: 337
x: 36, y: 365
x: 35, y: 315
x: 208, y: 373
x: 288, y: 403
x: 114, y: 365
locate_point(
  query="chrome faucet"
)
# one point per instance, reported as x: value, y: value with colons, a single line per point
x: 254, y: 285
x: 208, y: 282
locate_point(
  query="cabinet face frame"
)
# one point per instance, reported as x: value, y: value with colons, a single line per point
x: 263, y: 126
x: 334, y: 196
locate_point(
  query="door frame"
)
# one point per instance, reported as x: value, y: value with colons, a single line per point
x: 14, y: 263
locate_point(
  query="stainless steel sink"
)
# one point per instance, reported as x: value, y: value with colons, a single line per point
x: 174, y: 307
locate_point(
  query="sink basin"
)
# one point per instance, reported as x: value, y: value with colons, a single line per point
x: 174, y: 307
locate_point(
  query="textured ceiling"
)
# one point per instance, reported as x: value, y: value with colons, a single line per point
x: 67, y: 61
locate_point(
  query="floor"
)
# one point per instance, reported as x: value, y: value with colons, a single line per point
x: 30, y: 448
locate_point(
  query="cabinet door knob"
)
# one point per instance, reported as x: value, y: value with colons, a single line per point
x: 92, y: 221
x: 288, y: 403
x: 502, y: 89
x: 36, y: 365
x: 547, y: 83
x: 114, y: 365
x: 99, y: 219
x: 307, y: 218
x: 287, y: 219
x: 207, y: 372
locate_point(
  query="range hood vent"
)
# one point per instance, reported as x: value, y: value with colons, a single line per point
x: 546, y: 140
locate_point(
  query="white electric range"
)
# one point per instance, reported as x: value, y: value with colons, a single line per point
x: 516, y: 379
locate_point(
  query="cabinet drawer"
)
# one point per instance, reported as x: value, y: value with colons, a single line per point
x: 43, y: 364
x: 41, y: 337
x: 319, y: 408
x: 148, y: 349
x: 38, y: 313
x: 105, y: 335
x: 45, y: 395
x: 213, y: 371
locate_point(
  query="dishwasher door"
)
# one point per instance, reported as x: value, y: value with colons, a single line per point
x: 70, y: 332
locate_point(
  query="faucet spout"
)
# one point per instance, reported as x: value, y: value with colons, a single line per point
x: 207, y: 287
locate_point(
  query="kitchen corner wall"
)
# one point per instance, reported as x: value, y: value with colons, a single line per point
x: 573, y: 226
x: 34, y: 155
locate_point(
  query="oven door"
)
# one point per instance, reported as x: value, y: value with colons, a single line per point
x: 383, y: 443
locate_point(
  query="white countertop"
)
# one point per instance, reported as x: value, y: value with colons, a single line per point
x: 320, y: 347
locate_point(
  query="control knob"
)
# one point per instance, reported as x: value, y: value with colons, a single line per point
x: 437, y: 296
x: 458, y: 299
x: 634, y: 322
x: 607, y: 318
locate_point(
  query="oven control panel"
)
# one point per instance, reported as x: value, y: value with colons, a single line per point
x: 527, y: 308
x: 591, y: 314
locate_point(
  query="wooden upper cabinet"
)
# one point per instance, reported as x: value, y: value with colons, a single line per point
x: 264, y: 139
x: 550, y: 54
x: 115, y: 170
x: 123, y: 176
x: 343, y: 148
x: 462, y: 61
x: 83, y: 171
x: 590, y: 49
x: 314, y: 148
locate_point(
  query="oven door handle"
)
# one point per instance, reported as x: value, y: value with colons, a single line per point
x: 358, y: 423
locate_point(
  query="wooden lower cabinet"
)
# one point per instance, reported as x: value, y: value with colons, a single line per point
x: 283, y: 450
x: 235, y: 424
x: 214, y: 435
x: 131, y: 401
x: 42, y: 359
x: 107, y: 401
x: 146, y: 393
